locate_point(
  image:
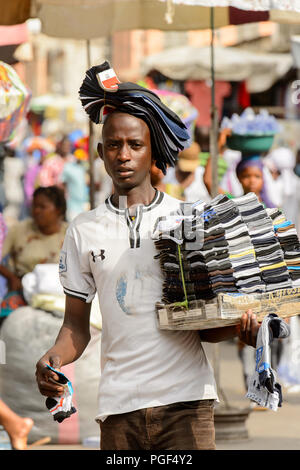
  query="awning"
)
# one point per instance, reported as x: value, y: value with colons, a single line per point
x: 260, y: 71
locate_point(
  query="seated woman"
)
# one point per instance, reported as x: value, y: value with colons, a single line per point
x: 34, y: 245
x: 35, y: 240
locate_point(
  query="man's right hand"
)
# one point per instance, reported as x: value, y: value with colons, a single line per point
x: 46, y: 378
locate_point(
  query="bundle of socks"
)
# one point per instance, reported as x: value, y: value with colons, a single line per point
x: 215, y: 255
x: 239, y: 247
x: 198, y: 269
x: 246, y: 270
x: 184, y: 269
x: 287, y: 236
x: 61, y: 407
x: 268, y: 252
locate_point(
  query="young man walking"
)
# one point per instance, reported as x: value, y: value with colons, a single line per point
x: 157, y: 389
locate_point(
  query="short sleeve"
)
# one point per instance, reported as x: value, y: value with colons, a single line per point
x: 74, y: 270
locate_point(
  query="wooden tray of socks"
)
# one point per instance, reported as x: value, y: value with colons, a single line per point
x: 226, y: 309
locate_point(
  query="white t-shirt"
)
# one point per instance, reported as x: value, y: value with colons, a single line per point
x: 141, y: 365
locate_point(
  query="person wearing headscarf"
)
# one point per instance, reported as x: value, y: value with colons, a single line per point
x: 157, y: 388
x: 250, y: 172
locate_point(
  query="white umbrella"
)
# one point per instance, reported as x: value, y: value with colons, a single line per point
x: 88, y: 19
x: 249, y: 5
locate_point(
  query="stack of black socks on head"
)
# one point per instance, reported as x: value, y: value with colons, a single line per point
x: 169, y: 134
x: 233, y: 246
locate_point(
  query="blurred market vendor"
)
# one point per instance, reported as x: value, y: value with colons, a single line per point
x: 74, y: 180
x: 185, y: 181
x: 52, y: 164
x: 37, y: 239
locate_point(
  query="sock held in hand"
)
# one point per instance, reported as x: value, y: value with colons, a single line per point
x: 61, y: 407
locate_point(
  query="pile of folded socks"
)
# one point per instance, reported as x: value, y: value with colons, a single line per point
x: 170, y: 244
x: 215, y: 251
x: 241, y: 251
x: 241, y: 248
x: 174, y: 286
x: 267, y: 248
x: 196, y: 269
x: 287, y: 236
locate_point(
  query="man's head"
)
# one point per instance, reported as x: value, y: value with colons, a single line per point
x: 126, y: 150
x: 168, y: 133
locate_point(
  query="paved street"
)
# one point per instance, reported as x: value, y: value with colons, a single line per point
x: 268, y: 430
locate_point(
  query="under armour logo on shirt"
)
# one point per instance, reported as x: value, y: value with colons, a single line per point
x: 99, y: 253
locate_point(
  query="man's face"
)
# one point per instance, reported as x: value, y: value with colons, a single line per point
x: 126, y: 150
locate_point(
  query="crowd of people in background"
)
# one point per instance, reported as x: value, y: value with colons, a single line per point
x: 42, y: 162
x: 65, y: 163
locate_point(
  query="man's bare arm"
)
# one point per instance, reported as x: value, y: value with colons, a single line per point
x: 70, y: 343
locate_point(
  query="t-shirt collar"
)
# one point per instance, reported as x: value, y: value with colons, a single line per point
x: 158, y: 197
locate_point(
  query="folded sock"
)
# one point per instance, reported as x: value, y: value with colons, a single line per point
x: 61, y: 407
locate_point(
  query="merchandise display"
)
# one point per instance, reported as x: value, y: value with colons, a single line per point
x: 231, y: 250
